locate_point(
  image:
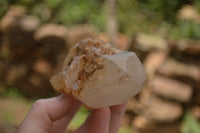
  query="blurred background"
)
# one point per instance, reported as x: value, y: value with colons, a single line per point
x: 36, y: 35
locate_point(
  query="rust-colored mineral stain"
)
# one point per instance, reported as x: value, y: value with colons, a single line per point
x: 91, y: 51
x: 82, y: 78
x: 84, y: 60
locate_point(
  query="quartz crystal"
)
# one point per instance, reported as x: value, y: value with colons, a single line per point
x: 100, y: 75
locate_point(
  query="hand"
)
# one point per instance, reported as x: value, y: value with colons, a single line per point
x: 54, y: 114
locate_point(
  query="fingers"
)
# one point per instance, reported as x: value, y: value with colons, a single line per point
x: 44, y: 112
x: 104, y: 120
x: 84, y: 128
x: 56, y: 113
x: 97, y: 122
x: 59, y: 126
x: 100, y: 120
x: 57, y: 107
x: 117, y: 113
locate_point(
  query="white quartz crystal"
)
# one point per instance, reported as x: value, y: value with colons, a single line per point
x: 119, y: 77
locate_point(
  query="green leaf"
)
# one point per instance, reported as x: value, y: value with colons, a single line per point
x: 190, y: 125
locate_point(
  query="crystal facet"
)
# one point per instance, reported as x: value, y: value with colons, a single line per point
x: 100, y: 75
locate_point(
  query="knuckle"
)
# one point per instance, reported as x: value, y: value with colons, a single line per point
x: 39, y: 103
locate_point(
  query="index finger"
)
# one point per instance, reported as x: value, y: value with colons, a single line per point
x: 56, y: 107
x: 44, y: 112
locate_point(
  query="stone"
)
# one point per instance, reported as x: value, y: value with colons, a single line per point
x: 159, y: 110
x: 196, y: 98
x: 10, y: 18
x: 189, y: 12
x: 18, y: 29
x: 43, y: 67
x: 140, y: 122
x: 133, y: 106
x: 173, y: 127
x: 2, y: 69
x: 188, y: 46
x: 171, y: 89
x: 153, y: 62
x: 16, y: 20
x: 49, y: 30
x: 100, y: 75
x: 29, y: 24
x: 146, y: 42
x: 51, y: 42
x: 1, y: 40
x: 15, y: 74
x: 172, y: 67
x: 80, y: 32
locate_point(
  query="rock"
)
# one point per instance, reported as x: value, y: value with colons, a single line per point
x: 16, y: 21
x: 187, y: 46
x: 18, y: 29
x: 20, y: 38
x: 80, y: 32
x: 29, y: 24
x: 29, y: 82
x: 196, y: 98
x: 50, y: 30
x: 99, y: 75
x: 36, y: 85
x: 153, y: 61
x: 1, y: 40
x: 51, y: 43
x: 42, y: 66
x: 145, y: 42
x: 140, y: 122
x: 179, y: 69
x: 122, y: 40
x: 188, y: 12
x: 10, y: 18
x: 158, y: 110
x: 171, y: 89
x: 174, y: 127
x: 133, y: 106
x: 193, y: 49
x: 2, y: 69
x: 15, y: 74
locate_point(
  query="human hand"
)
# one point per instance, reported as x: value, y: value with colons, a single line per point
x: 54, y: 114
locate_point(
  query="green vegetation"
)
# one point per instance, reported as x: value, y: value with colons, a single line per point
x: 125, y: 129
x: 82, y: 115
x: 190, y: 125
x: 79, y: 118
x: 10, y: 92
x: 186, y: 29
x: 4, y: 6
x: 7, y: 116
x: 150, y: 16
x: 132, y: 15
